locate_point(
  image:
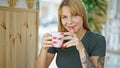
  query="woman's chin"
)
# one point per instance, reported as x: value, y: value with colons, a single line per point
x: 72, y: 31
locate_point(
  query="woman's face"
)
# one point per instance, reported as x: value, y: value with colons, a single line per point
x: 71, y: 20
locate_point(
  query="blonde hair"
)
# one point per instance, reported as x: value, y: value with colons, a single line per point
x: 76, y: 6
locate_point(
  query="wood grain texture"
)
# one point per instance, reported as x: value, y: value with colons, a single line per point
x: 18, y: 37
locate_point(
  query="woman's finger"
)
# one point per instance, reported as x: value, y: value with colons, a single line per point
x: 69, y: 42
x: 72, y: 30
x: 46, y: 35
x: 46, y: 46
x: 47, y: 42
x: 73, y: 42
x: 47, y: 38
x: 67, y: 37
x: 68, y: 33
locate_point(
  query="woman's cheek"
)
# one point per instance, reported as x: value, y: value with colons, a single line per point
x: 63, y: 22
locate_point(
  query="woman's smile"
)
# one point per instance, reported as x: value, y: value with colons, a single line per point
x: 71, y: 27
x: 71, y: 21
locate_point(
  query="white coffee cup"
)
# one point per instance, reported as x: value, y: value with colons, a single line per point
x: 57, y: 39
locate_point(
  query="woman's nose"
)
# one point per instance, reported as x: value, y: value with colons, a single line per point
x: 70, y: 21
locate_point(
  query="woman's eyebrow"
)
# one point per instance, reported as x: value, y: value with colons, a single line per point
x: 74, y: 13
x: 63, y: 15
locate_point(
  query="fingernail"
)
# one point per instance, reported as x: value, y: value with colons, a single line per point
x: 65, y: 46
x: 62, y: 33
x: 52, y: 45
x: 62, y: 46
x: 60, y: 38
x: 54, y: 42
x: 54, y: 37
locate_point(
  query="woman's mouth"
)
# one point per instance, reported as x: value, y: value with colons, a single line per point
x: 71, y: 27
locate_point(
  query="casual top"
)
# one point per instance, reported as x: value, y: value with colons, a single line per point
x: 94, y: 44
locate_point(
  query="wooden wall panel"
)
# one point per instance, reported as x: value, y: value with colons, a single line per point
x: 2, y: 40
x: 8, y: 47
x: 18, y: 37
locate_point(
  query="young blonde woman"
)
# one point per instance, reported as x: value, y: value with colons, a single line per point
x: 85, y: 49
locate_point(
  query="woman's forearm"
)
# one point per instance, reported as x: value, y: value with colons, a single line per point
x: 41, y: 60
x: 85, y: 60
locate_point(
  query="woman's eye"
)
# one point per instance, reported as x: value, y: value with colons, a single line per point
x: 74, y: 15
x: 63, y: 17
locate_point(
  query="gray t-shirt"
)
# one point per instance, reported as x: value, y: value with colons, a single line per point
x: 94, y: 44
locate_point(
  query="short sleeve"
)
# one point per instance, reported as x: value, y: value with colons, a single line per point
x: 52, y: 50
x: 99, y: 48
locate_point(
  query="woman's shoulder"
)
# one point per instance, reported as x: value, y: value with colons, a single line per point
x: 95, y: 35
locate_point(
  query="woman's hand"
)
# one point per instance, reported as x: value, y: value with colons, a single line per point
x: 46, y: 41
x: 73, y: 40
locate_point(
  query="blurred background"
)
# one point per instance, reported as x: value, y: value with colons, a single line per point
x: 103, y: 17
x: 19, y: 29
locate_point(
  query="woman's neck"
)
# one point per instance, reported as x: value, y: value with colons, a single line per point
x: 80, y: 34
